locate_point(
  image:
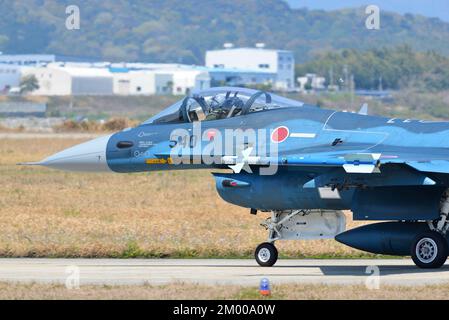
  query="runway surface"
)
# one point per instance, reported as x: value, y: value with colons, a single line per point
x: 212, y: 272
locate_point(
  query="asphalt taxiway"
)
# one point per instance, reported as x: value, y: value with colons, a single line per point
x: 217, y: 272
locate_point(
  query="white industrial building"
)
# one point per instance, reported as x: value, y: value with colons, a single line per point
x: 56, y: 80
x: 280, y: 64
x: 186, y: 80
x: 239, y: 78
x: 9, y: 77
x: 60, y: 80
x: 231, y: 66
x: 141, y: 82
x: 311, y: 81
x: 159, y: 81
x: 134, y: 83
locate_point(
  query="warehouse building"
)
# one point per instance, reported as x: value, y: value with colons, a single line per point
x: 276, y: 66
x: 56, y: 80
x: 9, y: 77
x: 127, y: 82
x: 240, y: 78
x: 186, y: 80
x: 159, y: 81
x: 311, y: 81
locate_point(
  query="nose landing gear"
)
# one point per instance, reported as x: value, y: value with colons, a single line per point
x: 297, y: 225
x: 266, y: 254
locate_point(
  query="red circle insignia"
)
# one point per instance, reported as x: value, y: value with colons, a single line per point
x: 211, y: 134
x: 280, y: 134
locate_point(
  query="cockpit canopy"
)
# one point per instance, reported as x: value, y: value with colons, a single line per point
x: 221, y: 103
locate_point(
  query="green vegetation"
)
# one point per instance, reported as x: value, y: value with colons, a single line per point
x: 405, y: 104
x: 29, y: 84
x: 137, y: 108
x: 181, y: 31
x: 387, y: 68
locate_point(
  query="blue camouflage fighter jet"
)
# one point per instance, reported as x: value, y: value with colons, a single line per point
x: 302, y: 164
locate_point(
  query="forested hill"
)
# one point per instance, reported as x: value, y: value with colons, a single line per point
x: 181, y: 31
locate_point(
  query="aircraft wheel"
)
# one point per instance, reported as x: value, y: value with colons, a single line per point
x: 266, y: 254
x: 429, y: 250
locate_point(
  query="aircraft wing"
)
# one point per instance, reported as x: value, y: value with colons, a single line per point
x: 352, y: 161
x: 435, y: 166
x: 432, y: 161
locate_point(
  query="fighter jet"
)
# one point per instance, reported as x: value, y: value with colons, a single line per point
x: 303, y: 164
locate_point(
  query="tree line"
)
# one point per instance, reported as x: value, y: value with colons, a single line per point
x: 385, y: 68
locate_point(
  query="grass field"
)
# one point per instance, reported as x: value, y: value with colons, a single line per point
x: 46, y: 213
x: 194, y: 292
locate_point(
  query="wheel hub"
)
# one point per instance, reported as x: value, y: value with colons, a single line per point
x: 426, y: 250
x: 264, y: 255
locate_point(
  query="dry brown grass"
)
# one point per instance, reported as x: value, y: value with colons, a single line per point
x: 196, y: 292
x: 111, y: 125
x: 4, y: 129
x: 167, y: 214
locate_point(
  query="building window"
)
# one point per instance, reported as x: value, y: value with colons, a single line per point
x: 139, y: 89
x: 264, y: 66
x: 179, y: 89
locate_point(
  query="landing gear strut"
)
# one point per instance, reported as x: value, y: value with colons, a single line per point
x: 430, y: 249
x: 266, y: 253
x: 297, y: 225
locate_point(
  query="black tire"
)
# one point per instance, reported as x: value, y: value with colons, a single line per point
x: 266, y: 255
x: 429, y: 250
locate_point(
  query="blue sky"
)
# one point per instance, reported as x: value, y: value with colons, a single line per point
x: 429, y: 8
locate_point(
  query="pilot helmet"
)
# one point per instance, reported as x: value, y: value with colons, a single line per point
x: 217, y: 102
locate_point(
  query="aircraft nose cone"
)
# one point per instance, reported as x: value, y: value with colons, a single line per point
x: 86, y: 157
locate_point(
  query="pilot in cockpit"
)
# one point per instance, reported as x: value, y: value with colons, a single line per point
x: 222, y: 107
x: 219, y: 104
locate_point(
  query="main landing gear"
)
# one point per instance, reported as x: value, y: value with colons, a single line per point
x: 429, y: 250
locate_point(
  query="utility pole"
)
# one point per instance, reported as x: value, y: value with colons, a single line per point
x: 380, y: 84
x: 346, y: 74
x: 331, y: 77
x: 352, y: 90
x: 71, y: 103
